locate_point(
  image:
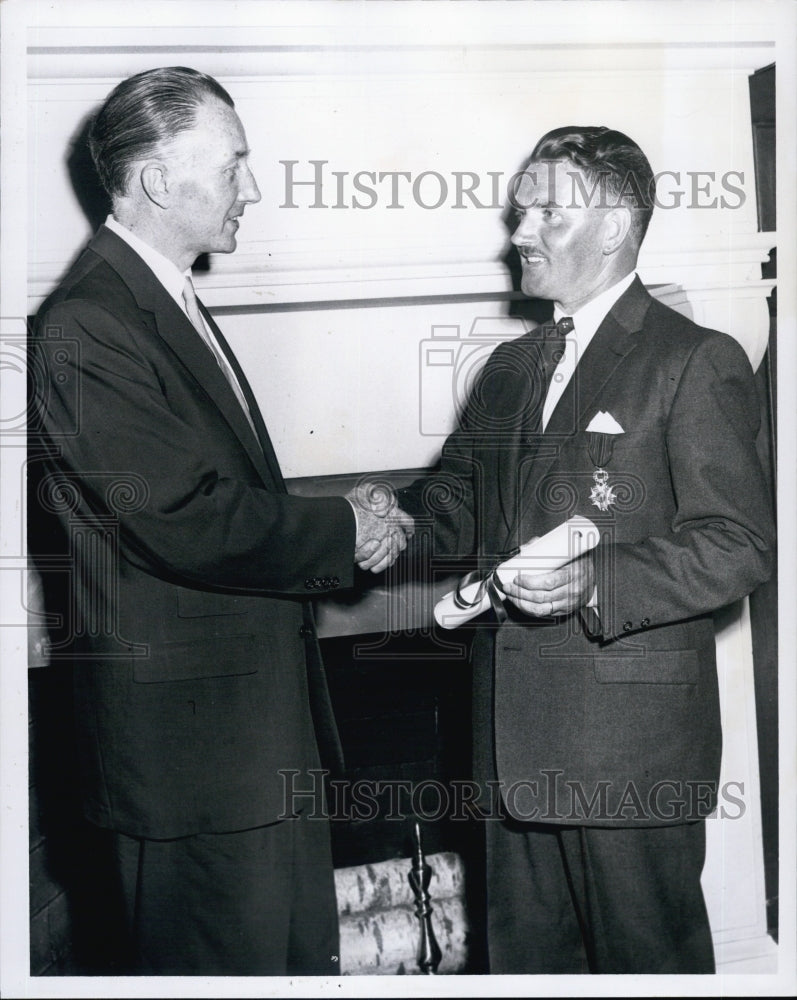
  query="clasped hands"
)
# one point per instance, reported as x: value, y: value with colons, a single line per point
x: 559, y: 592
x: 382, y: 527
x: 383, y: 530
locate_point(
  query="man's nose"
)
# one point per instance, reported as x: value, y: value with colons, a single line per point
x: 527, y: 230
x: 249, y: 192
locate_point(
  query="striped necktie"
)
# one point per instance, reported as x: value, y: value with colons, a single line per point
x: 194, y: 314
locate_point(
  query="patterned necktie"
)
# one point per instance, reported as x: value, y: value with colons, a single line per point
x: 553, y: 347
x: 192, y: 309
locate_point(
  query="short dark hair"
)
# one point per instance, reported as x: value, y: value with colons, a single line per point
x: 143, y: 113
x: 607, y: 157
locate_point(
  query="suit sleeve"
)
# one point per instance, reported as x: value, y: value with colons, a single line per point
x: 721, y: 542
x: 189, y: 513
x: 452, y: 496
x: 443, y: 500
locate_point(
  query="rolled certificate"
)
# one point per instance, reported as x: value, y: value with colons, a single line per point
x: 564, y: 543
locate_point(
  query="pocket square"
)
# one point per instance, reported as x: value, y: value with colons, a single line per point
x: 604, y: 423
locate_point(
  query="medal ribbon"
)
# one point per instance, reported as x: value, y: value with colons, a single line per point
x: 600, y: 447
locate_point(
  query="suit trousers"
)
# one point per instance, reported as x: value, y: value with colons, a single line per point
x: 254, y: 902
x: 568, y: 899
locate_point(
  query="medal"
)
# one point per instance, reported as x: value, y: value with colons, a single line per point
x: 602, y: 495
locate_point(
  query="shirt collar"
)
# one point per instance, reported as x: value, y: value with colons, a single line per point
x: 167, y: 273
x: 588, y: 318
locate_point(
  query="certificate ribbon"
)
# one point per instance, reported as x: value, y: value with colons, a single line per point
x: 488, y: 585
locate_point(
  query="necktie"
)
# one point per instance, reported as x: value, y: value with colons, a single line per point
x: 553, y: 347
x: 192, y: 309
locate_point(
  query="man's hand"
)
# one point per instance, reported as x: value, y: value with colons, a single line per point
x: 557, y: 593
x: 382, y: 527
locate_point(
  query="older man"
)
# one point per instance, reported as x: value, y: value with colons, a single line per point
x: 596, y: 710
x: 198, y: 677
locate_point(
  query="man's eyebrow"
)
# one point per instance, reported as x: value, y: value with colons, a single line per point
x: 534, y: 203
x: 238, y: 155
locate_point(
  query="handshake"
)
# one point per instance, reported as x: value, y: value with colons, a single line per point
x: 382, y: 527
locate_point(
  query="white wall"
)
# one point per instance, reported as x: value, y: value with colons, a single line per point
x: 370, y: 89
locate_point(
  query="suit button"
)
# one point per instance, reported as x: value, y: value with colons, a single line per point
x: 645, y: 622
x: 306, y: 632
x: 627, y: 626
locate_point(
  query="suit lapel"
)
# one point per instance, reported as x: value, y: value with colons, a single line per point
x: 170, y: 323
x: 614, y: 339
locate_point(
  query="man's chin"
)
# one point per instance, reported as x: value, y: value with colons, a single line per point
x: 226, y: 246
x: 533, y: 289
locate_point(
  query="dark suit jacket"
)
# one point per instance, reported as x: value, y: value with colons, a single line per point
x: 622, y: 727
x: 199, y: 675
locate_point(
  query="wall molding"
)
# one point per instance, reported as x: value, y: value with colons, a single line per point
x: 716, y: 286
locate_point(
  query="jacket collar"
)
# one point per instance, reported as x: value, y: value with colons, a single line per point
x: 169, y: 322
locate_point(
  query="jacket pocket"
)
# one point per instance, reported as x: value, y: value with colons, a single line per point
x: 220, y: 656
x: 677, y: 666
x: 206, y: 604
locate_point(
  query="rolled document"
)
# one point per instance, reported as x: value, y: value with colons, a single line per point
x: 564, y: 543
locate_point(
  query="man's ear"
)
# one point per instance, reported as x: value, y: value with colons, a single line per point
x: 616, y: 227
x: 155, y: 182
